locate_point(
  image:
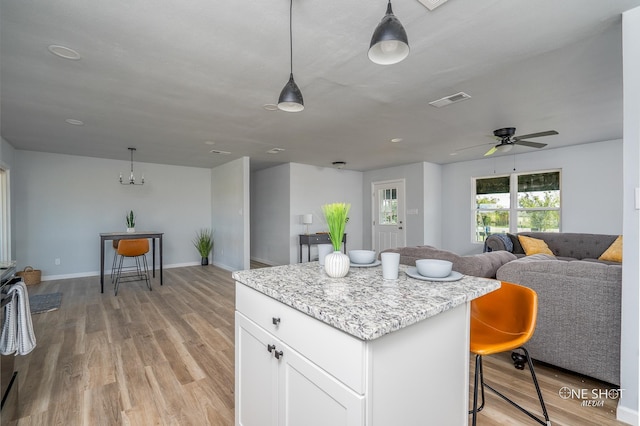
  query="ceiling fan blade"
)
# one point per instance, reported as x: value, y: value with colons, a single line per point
x: 473, y: 146
x: 491, y: 151
x: 531, y: 144
x: 535, y: 135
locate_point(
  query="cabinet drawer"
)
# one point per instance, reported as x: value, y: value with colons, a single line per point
x: 336, y: 352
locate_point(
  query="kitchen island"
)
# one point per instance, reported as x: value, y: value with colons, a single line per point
x: 359, y: 350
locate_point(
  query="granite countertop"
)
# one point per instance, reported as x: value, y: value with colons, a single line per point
x: 362, y: 304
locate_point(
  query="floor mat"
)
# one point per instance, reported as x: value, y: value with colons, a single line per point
x: 41, y: 303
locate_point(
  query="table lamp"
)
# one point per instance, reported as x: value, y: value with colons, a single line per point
x: 307, y: 219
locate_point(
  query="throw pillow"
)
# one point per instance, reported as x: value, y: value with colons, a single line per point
x: 534, y: 246
x: 614, y: 252
x: 517, y: 247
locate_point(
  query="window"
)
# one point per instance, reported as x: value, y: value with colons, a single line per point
x: 388, y: 207
x: 515, y: 203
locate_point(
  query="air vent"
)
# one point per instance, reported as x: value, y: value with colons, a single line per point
x: 217, y: 151
x: 275, y: 150
x: 448, y: 100
x: 432, y: 4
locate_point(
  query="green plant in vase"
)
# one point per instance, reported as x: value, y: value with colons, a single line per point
x: 336, y: 264
x: 204, y: 244
x: 131, y: 221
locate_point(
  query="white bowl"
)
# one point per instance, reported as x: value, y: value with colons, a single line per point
x: 362, y: 256
x: 434, y: 268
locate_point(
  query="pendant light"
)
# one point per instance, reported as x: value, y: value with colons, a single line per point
x: 132, y: 179
x: 291, y: 98
x: 389, y: 44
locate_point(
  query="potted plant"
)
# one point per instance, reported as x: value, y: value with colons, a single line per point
x: 131, y: 222
x: 336, y: 264
x: 204, y: 244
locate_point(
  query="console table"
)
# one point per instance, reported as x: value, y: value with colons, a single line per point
x: 314, y: 239
x: 128, y: 236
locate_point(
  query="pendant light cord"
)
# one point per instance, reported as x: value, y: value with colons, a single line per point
x: 291, y: 36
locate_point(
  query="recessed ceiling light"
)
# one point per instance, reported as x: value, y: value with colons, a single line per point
x: 396, y: 140
x: 217, y: 151
x: 270, y: 107
x: 74, y: 122
x: 275, y: 150
x: 339, y: 164
x: 209, y: 142
x: 64, y: 52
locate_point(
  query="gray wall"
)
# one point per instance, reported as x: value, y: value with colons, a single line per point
x: 630, y: 360
x: 591, y: 189
x: 64, y: 202
x: 231, y: 214
x: 270, y: 227
x: 311, y: 187
x: 416, y: 197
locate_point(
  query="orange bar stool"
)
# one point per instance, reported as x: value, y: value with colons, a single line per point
x: 504, y: 320
x: 137, y: 249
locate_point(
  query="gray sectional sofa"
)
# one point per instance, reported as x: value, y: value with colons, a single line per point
x: 579, y: 296
x: 579, y: 301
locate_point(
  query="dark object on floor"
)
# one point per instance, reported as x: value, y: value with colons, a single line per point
x: 41, y: 303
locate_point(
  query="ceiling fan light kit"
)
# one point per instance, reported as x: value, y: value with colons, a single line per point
x: 290, y: 99
x: 389, y: 43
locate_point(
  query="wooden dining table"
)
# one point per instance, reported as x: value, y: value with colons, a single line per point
x: 108, y: 236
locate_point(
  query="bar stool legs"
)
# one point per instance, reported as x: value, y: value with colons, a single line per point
x: 479, y: 379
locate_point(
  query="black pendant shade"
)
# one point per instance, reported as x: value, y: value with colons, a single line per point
x: 290, y: 99
x: 389, y: 43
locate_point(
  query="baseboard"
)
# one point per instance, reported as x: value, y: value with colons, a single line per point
x: 265, y: 261
x: 628, y: 415
x: 107, y: 272
x: 223, y: 266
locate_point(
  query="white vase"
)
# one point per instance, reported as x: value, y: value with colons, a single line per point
x: 131, y: 229
x: 336, y: 264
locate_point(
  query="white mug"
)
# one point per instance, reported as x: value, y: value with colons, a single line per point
x: 323, y: 250
x: 390, y: 265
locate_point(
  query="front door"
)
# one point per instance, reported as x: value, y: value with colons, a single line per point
x: 388, y: 215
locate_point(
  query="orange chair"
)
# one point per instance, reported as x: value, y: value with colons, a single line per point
x: 504, y: 320
x: 136, y: 248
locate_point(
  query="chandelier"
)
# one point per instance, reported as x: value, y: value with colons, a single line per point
x: 132, y: 179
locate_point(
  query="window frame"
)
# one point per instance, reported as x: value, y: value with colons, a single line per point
x: 514, y: 208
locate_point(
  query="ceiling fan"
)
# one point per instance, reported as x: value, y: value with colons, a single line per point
x: 507, y: 140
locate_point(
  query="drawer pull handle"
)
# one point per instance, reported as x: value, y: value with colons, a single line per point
x: 275, y: 321
x: 279, y: 354
x: 270, y: 348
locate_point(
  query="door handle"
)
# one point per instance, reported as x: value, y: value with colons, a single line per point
x: 278, y: 354
x: 270, y: 348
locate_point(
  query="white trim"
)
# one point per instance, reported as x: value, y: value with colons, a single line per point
x: 107, y: 272
x: 627, y: 415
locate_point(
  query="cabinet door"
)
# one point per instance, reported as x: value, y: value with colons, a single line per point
x: 311, y: 397
x: 256, y: 375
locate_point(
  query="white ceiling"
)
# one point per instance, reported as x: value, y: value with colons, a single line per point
x: 166, y: 77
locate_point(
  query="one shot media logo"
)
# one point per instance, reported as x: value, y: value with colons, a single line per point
x: 595, y: 397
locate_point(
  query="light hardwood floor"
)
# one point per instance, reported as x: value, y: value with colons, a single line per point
x: 166, y: 357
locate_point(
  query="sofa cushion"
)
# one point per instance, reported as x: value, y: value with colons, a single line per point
x: 614, y: 252
x: 574, y: 245
x: 517, y: 247
x: 534, y: 246
x: 478, y: 265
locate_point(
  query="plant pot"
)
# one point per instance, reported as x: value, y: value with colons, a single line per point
x: 131, y: 229
x: 336, y: 264
x: 204, y: 261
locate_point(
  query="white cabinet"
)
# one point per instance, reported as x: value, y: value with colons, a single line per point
x: 294, y: 370
x: 275, y: 385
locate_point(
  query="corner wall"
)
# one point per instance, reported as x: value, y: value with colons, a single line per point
x: 628, y: 406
